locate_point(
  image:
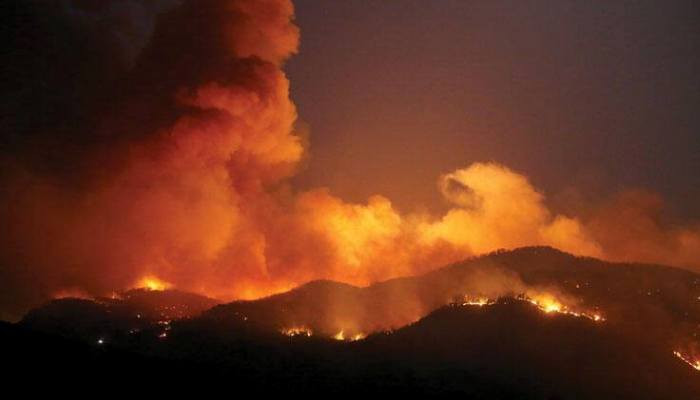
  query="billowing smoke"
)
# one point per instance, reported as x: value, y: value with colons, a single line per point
x: 164, y: 163
x: 154, y: 141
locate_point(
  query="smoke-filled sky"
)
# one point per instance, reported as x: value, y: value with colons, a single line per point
x: 188, y: 142
x: 590, y: 95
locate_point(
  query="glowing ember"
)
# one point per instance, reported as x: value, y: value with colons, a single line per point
x: 695, y: 364
x: 548, y: 304
x: 480, y: 302
x: 545, y: 303
x: 342, y: 336
x: 297, y: 331
x: 152, y: 283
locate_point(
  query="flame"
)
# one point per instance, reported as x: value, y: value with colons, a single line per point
x: 694, y: 363
x: 480, y: 301
x: 546, y: 303
x: 297, y: 331
x: 550, y: 304
x: 358, y: 336
x: 342, y: 336
x: 152, y: 283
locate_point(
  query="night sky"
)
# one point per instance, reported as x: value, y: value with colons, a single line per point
x: 586, y: 98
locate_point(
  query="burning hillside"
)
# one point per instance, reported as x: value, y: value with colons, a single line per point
x: 506, y: 350
x: 163, y: 147
x: 152, y: 226
x: 553, y: 283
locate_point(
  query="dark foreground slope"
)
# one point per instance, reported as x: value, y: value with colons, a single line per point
x: 510, y: 350
x: 134, y: 312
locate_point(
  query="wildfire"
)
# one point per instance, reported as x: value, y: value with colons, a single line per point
x: 152, y: 283
x: 480, y: 302
x: 695, y: 364
x: 341, y: 336
x: 199, y: 203
x: 297, y: 331
x: 549, y: 304
x: 546, y: 303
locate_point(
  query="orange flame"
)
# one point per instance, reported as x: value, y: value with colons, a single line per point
x: 297, y: 331
x: 152, y: 283
x: 546, y: 303
x: 695, y: 364
x: 342, y: 336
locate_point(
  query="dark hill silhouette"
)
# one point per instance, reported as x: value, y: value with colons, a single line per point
x: 509, y: 350
x: 109, y: 319
x: 551, y: 355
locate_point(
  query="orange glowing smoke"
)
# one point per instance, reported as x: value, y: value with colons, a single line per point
x: 73, y: 293
x: 371, y: 242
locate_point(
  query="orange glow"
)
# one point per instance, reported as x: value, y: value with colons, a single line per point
x: 499, y: 208
x: 480, y: 301
x: 297, y: 331
x: 152, y: 283
x: 342, y: 336
x: 694, y: 363
x: 549, y: 304
x: 74, y: 293
x: 544, y: 302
